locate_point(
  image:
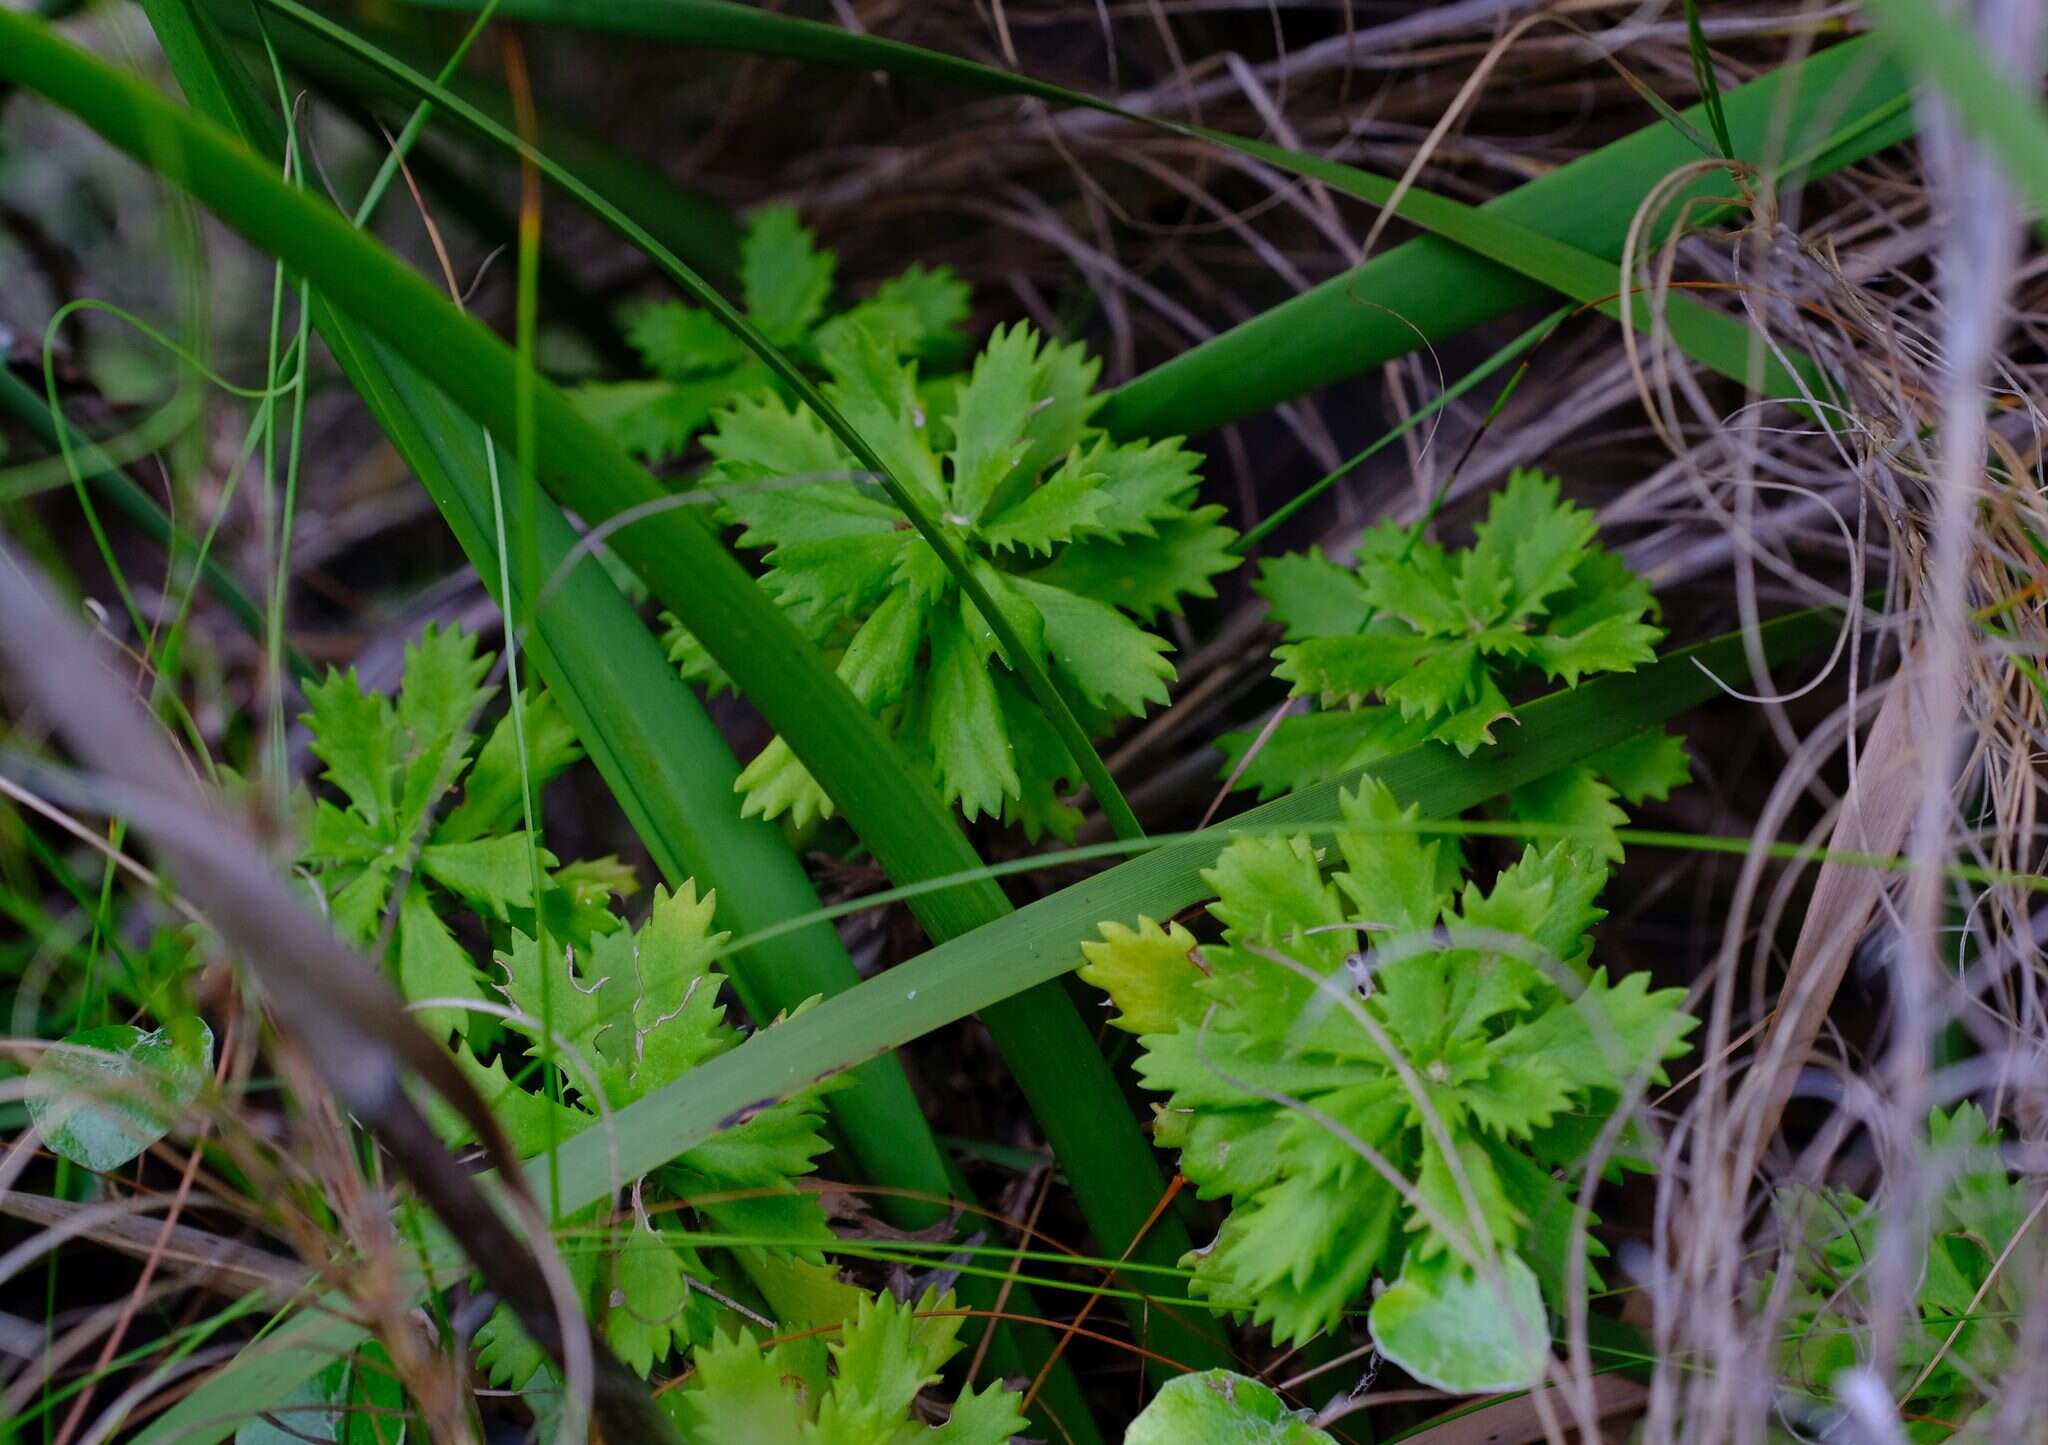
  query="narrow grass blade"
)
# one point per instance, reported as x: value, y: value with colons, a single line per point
x: 889, y: 803
x: 672, y: 773
x: 1428, y: 289
x: 1708, y: 81
x: 107, y: 477
x: 696, y: 228
x: 1522, y: 344
x: 659, y: 752
x: 1562, y: 232
x: 446, y: 179
x: 2006, y: 120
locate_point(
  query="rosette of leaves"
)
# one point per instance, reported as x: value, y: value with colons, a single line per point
x: 1079, y: 541
x: 1392, y: 1074
x: 697, y: 366
x: 1970, y: 1306
x: 391, y: 847
x: 629, y: 1014
x: 855, y: 1389
x: 1420, y: 644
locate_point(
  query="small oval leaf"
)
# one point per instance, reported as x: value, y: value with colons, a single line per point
x: 101, y: 1096
x: 1217, y: 1407
x: 1450, y: 1328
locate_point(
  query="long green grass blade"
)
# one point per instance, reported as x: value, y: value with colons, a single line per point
x: 445, y: 174
x: 890, y: 804
x: 1561, y: 233
x: 658, y: 750
x: 1708, y: 336
x: 1519, y: 347
x: 1714, y: 339
x: 1041, y: 1037
x: 1709, y: 82
x: 1833, y: 110
x: 104, y: 475
x: 2007, y: 120
x: 696, y: 228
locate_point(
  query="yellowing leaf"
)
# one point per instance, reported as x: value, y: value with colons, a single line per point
x: 1149, y: 973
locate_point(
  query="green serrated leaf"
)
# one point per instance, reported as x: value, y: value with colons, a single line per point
x: 649, y: 1290
x: 439, y: 700
x: 354, y: 733
x: 1069, y: 503
x: 743, y: 1393
x: 431, y: 964
x: 1613, y: 644
x: 1577, y: 798
x: 1534, y: 538
x: 1397, y: 880
x: 881, y: 660
x: 491, y: 792
x: 935, y: 297
x: 775, y: 783
x: 784, y: 277
x: 989, y: 417
x: 1298, y: 1054
x: 1146, y: 581
x: 658, y: 420
x: 1443, y: 636
x: 1646, y: 766
x: 1310, y: 597
x: 964, y: 730
x: 1349, y: 669
x: 492, y: 875
x: 1112, y: 661
x: 680, y: 342
x: 1311, y: 748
